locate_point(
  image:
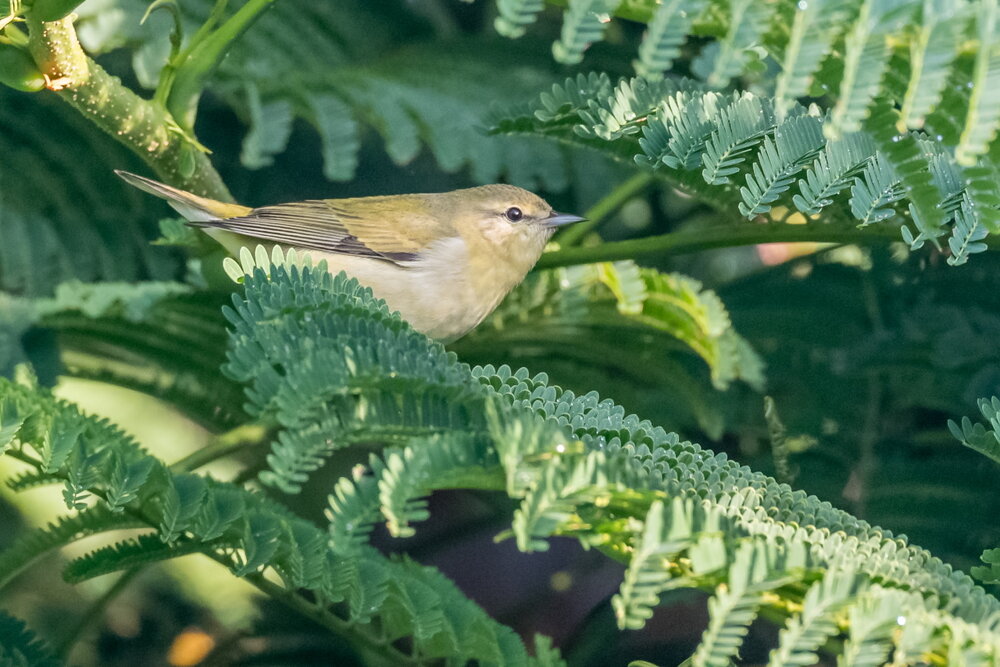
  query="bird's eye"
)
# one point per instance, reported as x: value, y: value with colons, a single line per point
x: 513, y: 214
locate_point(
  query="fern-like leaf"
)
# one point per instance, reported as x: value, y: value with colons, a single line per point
x: 583, y: 23
x: 816, y: 26
x: 666, y: 33
x: 795, y: 142
x: 932, y: 53
x: 20, y: 647
x: 142, y: 550
x: 984, y: 103
x: 833, y: 171
x: 32, y: 545
x: 667, y: 530
x: 873, y: 193
x: 907, y: 157
x: 811, y: 628
x: 734, y: 607
x: 748, y: 20
x: 976, y: 436
x: 740, y: 127
x: 866, y: 58
x: 872, y: 622
x: 514, y: 15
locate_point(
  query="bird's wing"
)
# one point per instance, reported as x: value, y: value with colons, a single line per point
x: 391, y: 228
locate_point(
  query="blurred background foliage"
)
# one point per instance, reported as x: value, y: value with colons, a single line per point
x: 866, y: 351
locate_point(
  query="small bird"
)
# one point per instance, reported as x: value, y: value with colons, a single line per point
x: 443, y: 260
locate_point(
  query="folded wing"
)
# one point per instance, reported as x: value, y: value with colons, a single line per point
x: 395, y: 228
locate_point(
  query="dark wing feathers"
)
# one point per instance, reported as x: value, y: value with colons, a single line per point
x: 316, y: 225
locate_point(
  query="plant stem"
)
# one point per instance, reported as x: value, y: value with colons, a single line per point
x: 607, y: 205
x: 143, y: 126
x: 361, y: 639
x: 222, y: 445
x: 723, y: 236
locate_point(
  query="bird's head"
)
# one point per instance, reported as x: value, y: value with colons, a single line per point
x: 513, y: 220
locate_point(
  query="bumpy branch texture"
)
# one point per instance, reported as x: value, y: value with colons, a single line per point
x: 143, y: 126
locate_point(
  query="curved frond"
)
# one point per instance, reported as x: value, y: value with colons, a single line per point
x: 583, y: 23
x: 815, y: 29
x: 19, y: 647
x: 142, y: 550
x: 514, y: 15
x: 667, y: 31
x: 32, y: 545
x: 796, y: 141
x: 811, y: 628
x: 984, y: 102
x: 735, y: 137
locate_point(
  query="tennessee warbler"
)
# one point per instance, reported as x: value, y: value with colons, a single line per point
x: 444, y: 261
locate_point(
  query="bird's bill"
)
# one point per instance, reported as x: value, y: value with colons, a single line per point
x: 559, y: 219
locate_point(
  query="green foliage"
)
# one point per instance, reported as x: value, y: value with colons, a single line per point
x: 593, y: 298
x: 976, y: 436
x: 900, y: 135
x: 192, y: 514
x: 737, y: 137
x: 578, y: 465
x: 161, y: 338
x: 81, y: 228
x: 19, y: 647
x: 858, y: 50
x: 563, y: 486
x: 985, y: 441
x: 667, y: 30
x: 331, y: 66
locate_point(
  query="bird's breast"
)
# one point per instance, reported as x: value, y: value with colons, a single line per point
x: 440, y: 293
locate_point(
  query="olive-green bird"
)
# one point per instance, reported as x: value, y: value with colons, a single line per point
x: 444, y: 261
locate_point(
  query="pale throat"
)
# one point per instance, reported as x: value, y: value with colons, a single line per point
x: 508, y: 254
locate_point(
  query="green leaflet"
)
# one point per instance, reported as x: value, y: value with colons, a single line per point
x: 866, y: 58
x: 795, y: 143
x: 20, y: 646
x: 578, y: 465
x: 729, y: 56
x: 984, y: 102
x: 816, y: 26
x: 833, y: 171
x: 583, y: 23
x: 978, y: 437
x: 806, y: 632
x: 143, y: 550
x: 667, y: 531
x: 667, y: 31
x: 754, y: 571
x: 932, y: 53
x: 736, y: 139
x: 193, y: 514
x: 515, y: 15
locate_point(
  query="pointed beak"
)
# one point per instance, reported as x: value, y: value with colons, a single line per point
x: 559, y: 219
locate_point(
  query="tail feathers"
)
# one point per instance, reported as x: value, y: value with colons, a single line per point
x: 194, y: 208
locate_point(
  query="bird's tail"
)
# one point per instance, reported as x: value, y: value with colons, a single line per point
x: 194, y: 208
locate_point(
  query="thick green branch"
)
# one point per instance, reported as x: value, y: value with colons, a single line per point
x: 726, y: 236
x: 144, y: 127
